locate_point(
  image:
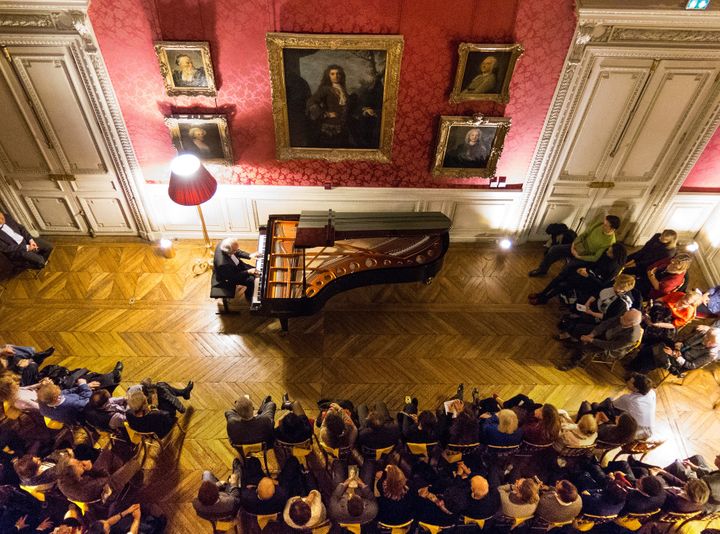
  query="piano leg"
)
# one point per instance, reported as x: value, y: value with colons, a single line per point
x: 226, y: 306
x: 283, y: 323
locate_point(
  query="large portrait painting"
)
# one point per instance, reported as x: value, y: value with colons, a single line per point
x: 205, y: 136
x: 469, y: 146
x: 334, y: 96
x: 186, y: 67
x: 484, y: 72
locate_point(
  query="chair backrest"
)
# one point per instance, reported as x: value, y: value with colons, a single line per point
x: 674, y: 517
x: 431, y: 529
x: 35, y: 491
x: 472, y: 521
x: 52, y: 424
x: 220, y: 526
x: 300, y: 450
x: 503, y: 451
x: 83, y: 506
x: 420, y: 449
x: 247, y: 449
x: 641, y: 446
x: 635, y: 522
x: 10, y: 411
x: 585, y: 522
x: 395, y: 529
x: 137, y: 437
x: 355, y: 528
x: 573, y: 452
x: 263, y: 520
x: 377, y: 453
x: 454, y: 452
x: 337, y: 453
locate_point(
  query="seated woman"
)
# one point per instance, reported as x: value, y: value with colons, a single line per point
x: 667, y: 315
x: 710, y: 306
x: 338, y: 429
x: 543, y: 427
x: 618, y: 432
x: 659, y: 247
x: 464, y: 428
x: 580, y: 434
x: 664, y: 276
x: 692, y: 497
x: 519, y: 500
x: 417, y: 428
x: 585, y: 281
x: 610, y: 302
x: 700, y: 349
x: 501, y: 429
x: 395, y: 500
x: 22, y: 398
x: 24, y: 361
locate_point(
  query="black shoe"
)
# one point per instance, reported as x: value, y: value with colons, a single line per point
x: 266, y: 400
x: 536, y: 272
x: 567, y: 366
x: 414, y: 401
x: 40, y: 356
x: 237, y: 465
x: 475, y: 395
x: 117, y: 371
x: 286, y: 403
x: 460, y: 393
x: 187, y: 389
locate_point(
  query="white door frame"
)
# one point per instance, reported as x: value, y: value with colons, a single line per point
x: 54, y: 23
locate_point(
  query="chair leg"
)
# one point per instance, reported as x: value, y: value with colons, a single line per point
x: 265, y: 460
x: 226, y: 306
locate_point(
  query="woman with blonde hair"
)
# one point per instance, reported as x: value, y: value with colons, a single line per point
x: 22, y: 398
x: 520, y: 500
x: 395, y: 502
x: 501, y: 429
x: 580, y: 434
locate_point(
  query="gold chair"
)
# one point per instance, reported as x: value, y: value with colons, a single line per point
x: 500, y: 452
x: 300, y: 450
x: 454, y: 452
x: 220, y: 526
x: 585, y: 522
x: 338, y: 453
x: 639, y: 446
x: 10, y: 411
x: 246, y: 450
x: 421, y: 450
x: 395, y: 529
x: 37, y: 491
x: 355, y: 528
x: 52, y: 424
x: 430, y: 529
x: 528, y: 450
x: 564, y: 452
x: 512, y: 522
x: 602, y: 448
x: 83, y: 506
x: 543, y: 525
x: 633, y: 522
x: 479, y: 522
x: 378, y: 454
x: 614, y: 361
x: 262, y: 520
x: 672, y: 518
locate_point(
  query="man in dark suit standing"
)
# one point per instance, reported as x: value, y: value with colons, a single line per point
x: 229, y: 267
x: 20, y: 246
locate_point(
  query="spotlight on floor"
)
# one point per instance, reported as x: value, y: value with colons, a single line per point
x: 505, y: 244
x: 692, y: 247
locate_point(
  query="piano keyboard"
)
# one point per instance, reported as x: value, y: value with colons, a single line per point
x: 259, y: 267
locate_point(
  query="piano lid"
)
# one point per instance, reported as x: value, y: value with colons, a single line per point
x: 323, y: 228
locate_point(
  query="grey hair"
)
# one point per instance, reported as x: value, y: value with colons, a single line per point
x: 136, y: 400
x: 227, y: 243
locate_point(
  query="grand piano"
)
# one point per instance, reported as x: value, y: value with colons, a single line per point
x: 305, y: 259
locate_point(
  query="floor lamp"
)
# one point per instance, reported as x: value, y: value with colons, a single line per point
x: 190, y: 185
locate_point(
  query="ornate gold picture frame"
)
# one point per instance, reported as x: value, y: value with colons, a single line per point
x: 484, y: 72
x: 186, y: 67
x: 469, y: 146
x: 334, y: 97
x: 206, y: 136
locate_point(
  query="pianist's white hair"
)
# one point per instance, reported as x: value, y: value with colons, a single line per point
x: 227, y: 243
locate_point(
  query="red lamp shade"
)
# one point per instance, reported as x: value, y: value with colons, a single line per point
x: 191, y: 189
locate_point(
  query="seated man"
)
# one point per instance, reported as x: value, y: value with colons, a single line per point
x: 587, y: 247
x: 244, y: 427
x: 611, y: 339
x: 105, y: 412
x: 142, y: 417
x: 86, y: 482
x: 559, y: 504
x: 377, y: 429
x: 229, y: 269
x: 648, y: 495
x: 294, y: 426
x: 65, y: 406
x: 24, y: 361
x: 700, y: 349
x: 20, y: 247
x: 263, y: 497
x: 35, y: 471
x: 218, y: 500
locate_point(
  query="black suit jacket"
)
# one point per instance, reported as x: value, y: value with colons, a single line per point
x: 227, y: 272
x: 7, y: 245
x: 256, y: 430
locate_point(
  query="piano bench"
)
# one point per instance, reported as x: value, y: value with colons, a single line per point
x: 218, y: 290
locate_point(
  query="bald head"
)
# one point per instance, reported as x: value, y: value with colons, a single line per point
x: 630, y: 318
x: 265, y: 489
x: 479, y: 487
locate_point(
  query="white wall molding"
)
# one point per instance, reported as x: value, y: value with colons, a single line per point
x: 477, y: 215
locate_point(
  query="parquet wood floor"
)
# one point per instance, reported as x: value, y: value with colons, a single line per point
x: 101, y: 301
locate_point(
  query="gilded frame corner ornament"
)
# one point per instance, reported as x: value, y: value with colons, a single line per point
x: 278, y: 43
x: 199, y: 47
x: 500, y: 125
x: 175, y: 124
x: 503, y: 94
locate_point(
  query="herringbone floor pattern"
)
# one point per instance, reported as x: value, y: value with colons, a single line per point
x: 99, y: 302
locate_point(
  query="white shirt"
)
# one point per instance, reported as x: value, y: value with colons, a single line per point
x: 12, y: 233
x: 234, y: 259
x: 642, y: 408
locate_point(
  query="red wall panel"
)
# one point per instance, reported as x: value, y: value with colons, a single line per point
x: 236, y: 31
x: 706, y: 172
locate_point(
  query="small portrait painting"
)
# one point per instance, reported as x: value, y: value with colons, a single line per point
x: 205, y: 136
x: 469, y: 146
x: 334, y: 96
x: 484, y: 72
x: 186, y: 67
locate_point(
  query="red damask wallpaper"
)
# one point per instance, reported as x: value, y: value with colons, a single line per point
x: 706, y: 172
x: 236, y: 31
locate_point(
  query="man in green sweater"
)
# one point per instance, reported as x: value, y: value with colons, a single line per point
x: 586, y: 248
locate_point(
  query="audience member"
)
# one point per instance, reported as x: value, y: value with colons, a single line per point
x: 519, y: 500
x: 352, y: 500
x: 244, y: 426
x: 338, y: 429
x: 560, y: 504
x: 700, y: 349
x: 665, y: 276
x: 305, y: 512
x: 377, y: 429
x: 216, y: 499
x: 142, y: 417
x: 659, y: 247
x: 20, y: 247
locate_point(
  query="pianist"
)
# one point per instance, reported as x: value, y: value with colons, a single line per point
x: 229, y: 267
